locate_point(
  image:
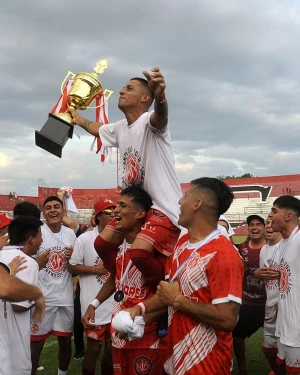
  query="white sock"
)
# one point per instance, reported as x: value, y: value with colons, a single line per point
x: 60, y: 372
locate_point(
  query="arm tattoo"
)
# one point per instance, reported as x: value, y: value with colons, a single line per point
x: 161, y: 108
x: 86, y: 125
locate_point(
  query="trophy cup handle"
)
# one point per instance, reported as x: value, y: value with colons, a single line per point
x: 64, y: 81
x: 107, y: 97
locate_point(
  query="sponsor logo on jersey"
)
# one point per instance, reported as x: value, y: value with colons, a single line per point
x: 142, y: 365
x: 133, y: 172
x: 101, y: 278
x: 272, y: 284
x: 158, y: 213
x: 148, y: 227
x: 57, y: 264
x: 35, y: 328
x: 285, y: 279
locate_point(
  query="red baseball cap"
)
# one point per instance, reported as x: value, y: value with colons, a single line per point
x: 102, y: 205
x: 4, y: 220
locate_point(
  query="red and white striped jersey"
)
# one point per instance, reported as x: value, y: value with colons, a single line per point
x: 135, y: 290
x: 213, y: 275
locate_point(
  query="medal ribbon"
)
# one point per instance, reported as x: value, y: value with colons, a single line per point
x: 59, y: 238
x: 283, y: 251
x: 206, y: 240
x: 123, y: 275
x: 274, y: 253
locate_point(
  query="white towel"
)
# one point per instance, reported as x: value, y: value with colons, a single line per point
x: 122, y: 322
x: 69, y: 201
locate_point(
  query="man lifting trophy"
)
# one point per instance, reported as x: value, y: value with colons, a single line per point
x: 77, y: 93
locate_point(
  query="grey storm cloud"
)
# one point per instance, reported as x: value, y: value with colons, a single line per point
x: 231, y: 70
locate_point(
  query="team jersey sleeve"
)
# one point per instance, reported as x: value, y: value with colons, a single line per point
x: 161, y: 132
x: 78, y: 253
x: 225, y: 275
x: 30, y: 276
x: 168, y: 267
x: 262, y: 256
x: 108, y: 135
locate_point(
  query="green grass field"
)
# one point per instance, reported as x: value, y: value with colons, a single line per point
x: 257, y: 364
x: 239, y: 239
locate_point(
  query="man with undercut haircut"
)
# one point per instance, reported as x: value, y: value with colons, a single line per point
x: 144, y: 142
x: 204, y: 291
x: 130, y: 287
x: 285, y: 213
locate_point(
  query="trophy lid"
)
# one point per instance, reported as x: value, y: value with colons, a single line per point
x: 91, y: 78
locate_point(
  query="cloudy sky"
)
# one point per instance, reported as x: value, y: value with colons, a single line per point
x: 231, y: 67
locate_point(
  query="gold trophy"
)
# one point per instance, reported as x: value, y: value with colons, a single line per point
x: 84, y: 89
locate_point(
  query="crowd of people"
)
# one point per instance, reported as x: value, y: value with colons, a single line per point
x: 156, y: 277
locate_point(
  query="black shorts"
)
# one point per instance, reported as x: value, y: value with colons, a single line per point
x: 251, y: 318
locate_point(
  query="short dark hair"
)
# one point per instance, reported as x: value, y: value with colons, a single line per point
x: 288, y: 202
x: 144, y: 83
x: 22, y: 228
x: 53, y: 198
x: 221, y: 192
x: 26, y: 208
x: 139, y: 196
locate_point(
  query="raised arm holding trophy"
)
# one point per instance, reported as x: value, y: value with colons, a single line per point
x: 77, y: 93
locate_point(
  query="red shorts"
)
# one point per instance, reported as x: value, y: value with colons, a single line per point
x: 138, y: 361
x: 99, y: 333
x: 158, y: 231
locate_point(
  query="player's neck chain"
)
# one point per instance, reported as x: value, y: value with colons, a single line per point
x: 276, y: 247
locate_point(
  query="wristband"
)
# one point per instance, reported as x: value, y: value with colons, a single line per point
x: 173, y: 300
x: 95, y: 303
x: 143, y: 307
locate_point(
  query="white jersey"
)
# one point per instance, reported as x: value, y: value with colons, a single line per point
x: 147, y: 161
x: 269, y: 256
x: 5, y: 360
x: 54, y: 280
x: 288, y: 325
x: 85, y: 254
x: 18, y: 323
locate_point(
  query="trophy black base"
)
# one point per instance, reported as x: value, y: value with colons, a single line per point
x: 54, y: 135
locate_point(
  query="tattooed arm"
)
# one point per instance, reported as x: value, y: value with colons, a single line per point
x: 221, y: 317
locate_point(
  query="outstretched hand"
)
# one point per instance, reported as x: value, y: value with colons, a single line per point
x: 156, y: 83
x: 288, y: 191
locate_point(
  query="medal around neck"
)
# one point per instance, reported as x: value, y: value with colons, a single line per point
x: 77, y: 91
x: 119, y: 296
